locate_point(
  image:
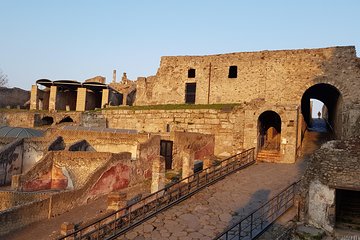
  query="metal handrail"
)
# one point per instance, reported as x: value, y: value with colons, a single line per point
x: 255, y: 223
x: 117, y: 223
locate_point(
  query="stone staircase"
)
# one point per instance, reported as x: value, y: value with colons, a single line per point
x: 268, y: 155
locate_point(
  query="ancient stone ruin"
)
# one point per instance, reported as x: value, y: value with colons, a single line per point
x: 137, y: 136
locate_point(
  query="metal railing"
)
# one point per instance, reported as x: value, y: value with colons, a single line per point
x: 254, y: 224
x: 121, y: 221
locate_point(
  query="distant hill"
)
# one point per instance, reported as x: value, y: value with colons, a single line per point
x: 14, y: 97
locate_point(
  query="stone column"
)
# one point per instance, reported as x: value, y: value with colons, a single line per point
x: 116, y: 200
x: 105, y: 98
x: 81, y: 99
x: 16, y: 182
x: 114, y: 76
x: 67, y: 228
x: 124, y: 99
x: 34, y: 98
x: 52, y: 98
x: 188, y: 164
x: 158, y: 174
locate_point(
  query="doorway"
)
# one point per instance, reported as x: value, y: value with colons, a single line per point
x: 347, y: 209
x: 190, y: 93
x: 166, y: 150
x: 330, y: 113
x: 269, y: 125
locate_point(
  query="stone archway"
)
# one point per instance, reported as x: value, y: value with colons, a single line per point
x: 47, y: 120
x: 332, y: 99
x: 269, y: 131
x: 66, y: 119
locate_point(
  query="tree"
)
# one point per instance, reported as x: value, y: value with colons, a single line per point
x: 3, y: 79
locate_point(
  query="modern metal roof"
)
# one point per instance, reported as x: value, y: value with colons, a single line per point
x: 72, y: 84
x: 18, y: 132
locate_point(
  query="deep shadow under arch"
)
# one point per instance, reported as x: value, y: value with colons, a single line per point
x: 47, y: 120
x: 269, y: 131
x: 66, y: 119
x: 332, y: 99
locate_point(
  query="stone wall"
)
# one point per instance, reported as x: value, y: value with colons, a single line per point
x: 336, y: 165
x: 234, y: 129
x: 23, y: 215
x: 225, y: 125
x: 10, y: 199
x: 16, y: 118
x: 113, y: 142
x: 21, y: 118
x: 277, y: 77
x: 92, y: 119
x: 200, y: 146
x: 82, y: 176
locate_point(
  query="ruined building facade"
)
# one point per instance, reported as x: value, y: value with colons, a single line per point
x: 271, y: 91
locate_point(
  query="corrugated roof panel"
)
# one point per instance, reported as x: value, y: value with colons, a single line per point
x: 18, y: 132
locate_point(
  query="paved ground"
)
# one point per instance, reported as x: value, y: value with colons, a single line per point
x: 209, y: 212
x: 213, y: 209
x: 203, y: 215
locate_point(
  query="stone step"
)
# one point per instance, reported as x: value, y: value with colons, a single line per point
x: 267, y: 156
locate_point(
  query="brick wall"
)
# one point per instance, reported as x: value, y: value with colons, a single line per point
x: 277, y: 77
x: 226, y: 125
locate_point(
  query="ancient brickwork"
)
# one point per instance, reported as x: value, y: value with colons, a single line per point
x: 22, y: 215
x: 16, y: 118
x: 200, y: 146
x: 335, y: 166
x: 102, y: 141
x: 10, y: 199
x: 224, y: 124
x: 234, y: 130
x: 277, y: 77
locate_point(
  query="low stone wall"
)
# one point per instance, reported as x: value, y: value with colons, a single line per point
x: 114, y: 172
x: 23, y: 215
x: 336, y: 165
x: 199, y: 145
x: 10, y: 199
x: 102, y: 141
x: 226, y: 125
x: 16, y: 118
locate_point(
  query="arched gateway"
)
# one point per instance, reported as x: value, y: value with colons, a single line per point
x: 332, y: 99
x: 269, y: 136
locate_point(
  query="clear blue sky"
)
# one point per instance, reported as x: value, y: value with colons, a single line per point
x: 78, y: 39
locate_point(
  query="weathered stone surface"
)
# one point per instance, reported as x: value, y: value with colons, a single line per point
x: 336, y: 165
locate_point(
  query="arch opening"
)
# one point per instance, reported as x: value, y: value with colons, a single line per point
x: 330, y: 113
x: 66, y: 119
x: 47, y: 121
x: 269, y: 131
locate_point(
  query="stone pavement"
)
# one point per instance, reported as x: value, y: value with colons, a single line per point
x: 210, y: 211
x: 206, y: 213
